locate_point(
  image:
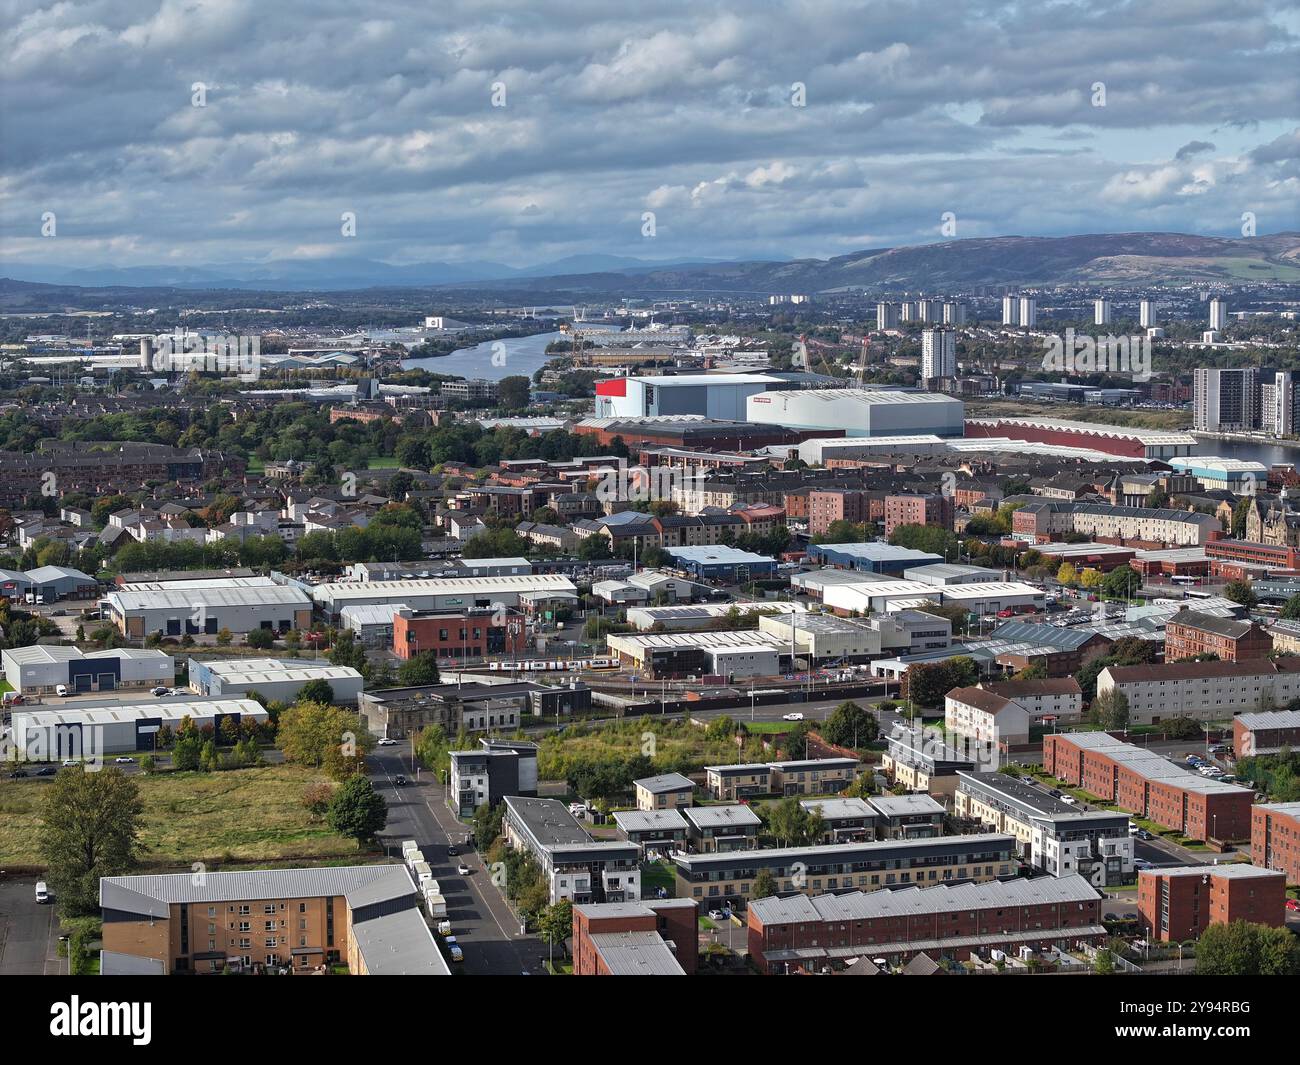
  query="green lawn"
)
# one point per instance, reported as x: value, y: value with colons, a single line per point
x: 656, y: 875
x: 381, y: 462
x: 5, y: 686
x: 243, y: 815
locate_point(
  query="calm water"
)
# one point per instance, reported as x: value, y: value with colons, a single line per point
x: 524, y: 356
x: 1249, y: 451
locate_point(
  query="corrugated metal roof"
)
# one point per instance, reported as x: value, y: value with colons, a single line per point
x: 168, y: 888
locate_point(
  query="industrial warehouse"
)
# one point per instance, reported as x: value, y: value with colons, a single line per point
x: 274, y: 679
x: 91, y: 730
x: 237, y: 604
x: 44, y: 668
x: 443, y: 594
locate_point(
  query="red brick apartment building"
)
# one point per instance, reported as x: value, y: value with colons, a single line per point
x: 1189, y: 634
x: 917, y: 510
x: 1180, y: 903
x: 1275, y: 838
x: 654, y: 937
x: 828, y: 505
x: 1266, y: 731
x: 960, y: 921
x: 458, y: 634
x: 1147, y: 784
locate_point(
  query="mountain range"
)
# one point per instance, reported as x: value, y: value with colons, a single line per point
x: 1122, y: 259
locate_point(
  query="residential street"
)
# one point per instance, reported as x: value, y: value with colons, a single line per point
x: 480, y: 919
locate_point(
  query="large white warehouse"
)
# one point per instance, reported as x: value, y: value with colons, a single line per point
x: 436, y: 593
x: 720, y: 396
x: 89, y: 731
x: 41, y: 668
x: 860, y: 411
x: 240, y: 604
x: 274, y: 679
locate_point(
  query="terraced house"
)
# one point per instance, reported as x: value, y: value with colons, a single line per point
x: 729, y: 876
x: 957, y: 921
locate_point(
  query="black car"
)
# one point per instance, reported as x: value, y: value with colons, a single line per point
x: 46, y: 771
x: 19, y: 773
x: 399, y: 780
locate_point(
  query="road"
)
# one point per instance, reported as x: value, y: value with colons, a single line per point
x: 480, y: 919
x: 29, y: 932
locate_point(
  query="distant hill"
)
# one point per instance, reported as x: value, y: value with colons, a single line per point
x: 1109, y: 258
x: 1103, y: 258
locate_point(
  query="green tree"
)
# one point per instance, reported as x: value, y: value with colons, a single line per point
x: 1110, y: 710
x: 1241, y: 592
x: 419, y: 669
x: 486, y: 824
x: 316, y: 691
x: 1292, y: 609
x: 1244, y: 949
x: 764, y: 885
x: 262, y: 639
x: 555, y: 923
x: 850, y: 726
x: 323, y: 736
x: 513, y: 393
x: 357, y: 810
x: 90, y: 828
x: 1121, y: 583
x: 792, y: 825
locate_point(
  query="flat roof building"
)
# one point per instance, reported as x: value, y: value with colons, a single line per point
x: 41, y: 668
x: 1141, y: 782
x: 364, y: 916
x: 88, y: 730
x: 275, y: 679
x: 176, y: 608
x: 729, y: 876
x: 1052, y: 834
x: 1177, y: 904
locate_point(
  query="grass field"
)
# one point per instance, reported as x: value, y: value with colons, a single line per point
x: 244, y: 815
x: 673, y: 746
x: 382, y: 462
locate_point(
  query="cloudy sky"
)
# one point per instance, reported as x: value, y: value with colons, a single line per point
x: 689, y: 110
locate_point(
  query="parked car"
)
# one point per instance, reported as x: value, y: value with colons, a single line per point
x: 1293, y: 905
x: 70, y: 762
x: 60, y: 689
x: 46, y: 771
x: 386, y: 742
x: 160, y: 691
x: 456, y: 953
x: 123, y: 760
x: 796, y: 716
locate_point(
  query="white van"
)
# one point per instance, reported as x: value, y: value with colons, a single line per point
x: 42, y: 892
x: 60, y: 689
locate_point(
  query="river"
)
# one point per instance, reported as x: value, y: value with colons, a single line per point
x: 523, y: 356
x: 1249, y: 451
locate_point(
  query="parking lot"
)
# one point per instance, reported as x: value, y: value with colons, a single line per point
x: 29, y: 932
